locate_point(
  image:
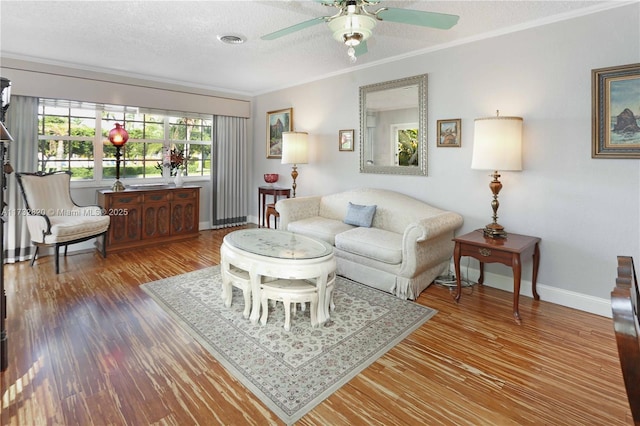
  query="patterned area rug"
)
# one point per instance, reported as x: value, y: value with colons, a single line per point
x: 291, y: 372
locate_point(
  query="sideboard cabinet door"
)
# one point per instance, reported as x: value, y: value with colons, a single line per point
x: 155, y: 216
x: 185, y: 211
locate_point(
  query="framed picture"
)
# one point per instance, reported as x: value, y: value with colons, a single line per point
x: 278, y: 122
x: 449, y: 133
x: 615, y: 94
x: 345, y: 140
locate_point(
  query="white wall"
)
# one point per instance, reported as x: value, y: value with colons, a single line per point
x: 585, y: 210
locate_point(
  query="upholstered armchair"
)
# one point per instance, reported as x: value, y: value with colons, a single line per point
x: 53, y: 219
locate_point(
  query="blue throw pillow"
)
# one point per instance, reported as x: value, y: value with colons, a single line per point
x: 358, y: 215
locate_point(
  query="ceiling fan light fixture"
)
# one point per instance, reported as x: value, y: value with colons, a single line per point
x: 347, y: 28
x: 353, y: 39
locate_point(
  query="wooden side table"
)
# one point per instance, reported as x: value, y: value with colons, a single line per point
x: 276, y: 192
x: 507, y: 251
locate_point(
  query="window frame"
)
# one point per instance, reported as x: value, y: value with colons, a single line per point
x: 100, y: 142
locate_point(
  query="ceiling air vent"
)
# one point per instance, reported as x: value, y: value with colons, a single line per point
x: 231, y: 39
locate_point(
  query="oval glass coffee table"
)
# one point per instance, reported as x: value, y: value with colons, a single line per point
x: 264, y: 252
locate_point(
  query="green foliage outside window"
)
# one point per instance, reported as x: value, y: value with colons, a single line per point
x: 408, y: 147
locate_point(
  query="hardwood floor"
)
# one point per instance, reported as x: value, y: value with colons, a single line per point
x: 87, y: 346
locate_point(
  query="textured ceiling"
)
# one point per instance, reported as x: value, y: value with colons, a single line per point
x: 176, y: 41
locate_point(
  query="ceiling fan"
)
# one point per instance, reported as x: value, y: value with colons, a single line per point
x: 353, y: 23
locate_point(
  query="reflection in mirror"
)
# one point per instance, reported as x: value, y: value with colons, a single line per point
x: 393, y: 130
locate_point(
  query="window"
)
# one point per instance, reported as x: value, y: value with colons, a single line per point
x: 192, y: 137
x: 73, y: 136
x: 66, y: 140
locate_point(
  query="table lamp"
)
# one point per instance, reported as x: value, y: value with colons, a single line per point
x: 497, y: 145
x: 118, y: 136
x: 295, y: 150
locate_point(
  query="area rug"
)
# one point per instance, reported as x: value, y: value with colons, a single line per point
x: 291, y: 372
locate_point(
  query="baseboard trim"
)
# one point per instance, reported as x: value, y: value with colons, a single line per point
x: 570, y: 299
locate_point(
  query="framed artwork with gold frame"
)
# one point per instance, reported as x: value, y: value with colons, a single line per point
x: 345, y: 140
x: 615, y: 96
x: 449, y: 133
x: 278, y: 122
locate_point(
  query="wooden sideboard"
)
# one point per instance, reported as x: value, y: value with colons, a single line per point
x: 147, y: 216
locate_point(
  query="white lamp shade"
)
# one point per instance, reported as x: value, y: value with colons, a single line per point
x: 295, y: 148
x: 497, y: 144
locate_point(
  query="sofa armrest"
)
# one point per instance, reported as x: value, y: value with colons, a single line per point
x: 293, y: 209
x: 428, y: 242
x: 435, y: 226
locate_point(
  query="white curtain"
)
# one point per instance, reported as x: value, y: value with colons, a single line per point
x: 229, y: 174
x: 22, y: 123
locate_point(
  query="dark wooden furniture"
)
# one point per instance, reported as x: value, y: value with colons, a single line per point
x: 626, y: 324
x: 274, y: 191
x: 143, y: 217
x: 271, y: 211
x: 507, y: 251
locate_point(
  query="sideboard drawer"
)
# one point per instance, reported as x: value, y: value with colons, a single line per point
x: 156, y: 196
x: 185, y: 194
x: 126, y: 200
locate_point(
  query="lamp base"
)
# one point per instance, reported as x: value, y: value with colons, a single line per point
x: 117, y: 186
x: 494, y: 230
x: 294, y: 176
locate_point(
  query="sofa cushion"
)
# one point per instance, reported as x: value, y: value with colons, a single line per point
x: 374, y: 243
x: 319, y: 227
x: 358, y: 215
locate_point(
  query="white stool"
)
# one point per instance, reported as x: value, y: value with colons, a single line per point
x: 288, y: 292
x: 239, y: 278
x: 331, y: 281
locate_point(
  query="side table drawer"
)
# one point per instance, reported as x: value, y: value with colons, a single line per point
x: 486, y: 254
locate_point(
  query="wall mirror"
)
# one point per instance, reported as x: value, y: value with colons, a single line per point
x: 393, y: 127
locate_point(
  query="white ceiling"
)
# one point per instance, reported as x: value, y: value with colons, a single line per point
x: 175, y: 41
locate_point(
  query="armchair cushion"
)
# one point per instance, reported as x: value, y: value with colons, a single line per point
x: 65, y: 228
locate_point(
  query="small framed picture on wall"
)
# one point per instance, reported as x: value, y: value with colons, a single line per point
x: 449, y: 133
x: 277, y: 122
x: 345, y: 140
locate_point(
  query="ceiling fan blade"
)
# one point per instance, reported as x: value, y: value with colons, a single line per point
x: 441, y: 21
x: 361, y: 49
x: 293, y: 28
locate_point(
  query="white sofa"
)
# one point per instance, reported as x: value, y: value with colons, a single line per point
x: 407, y: 246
